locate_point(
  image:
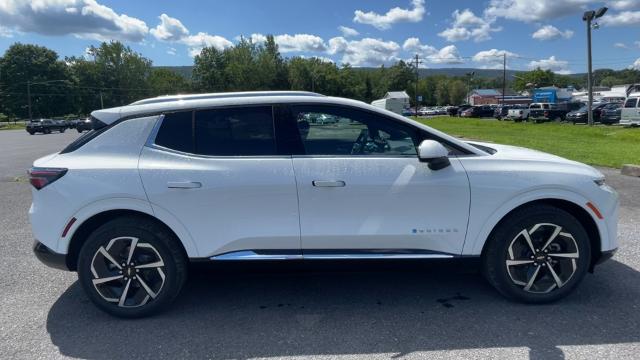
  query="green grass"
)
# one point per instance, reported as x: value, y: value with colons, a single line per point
x: 8, y: 126
x: 610, y: 146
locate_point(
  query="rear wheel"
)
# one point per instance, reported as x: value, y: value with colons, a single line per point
x: 129, y: 267
x: 537, y: 255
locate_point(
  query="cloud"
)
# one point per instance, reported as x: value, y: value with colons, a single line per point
x: 466, y: 25
x: 169, y: 29
x: 364, y: 52
x: 493, y: 57
x: 553, y: 64
x: 446, y: 55
x: 300, y: 42
x: 5, y: 32
x: 550, y: 32
x: 625, y: 18
x: 172, y: 30
x: 538, y: 10
x: 294, y: 43
x: 393, y: 16
x: 635, y: 65
x: 624, y: 4
x: 620, y: 45
x: 82, y: 18
x: 347, y: 31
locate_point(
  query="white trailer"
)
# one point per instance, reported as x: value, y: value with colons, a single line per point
x: 395, y: 105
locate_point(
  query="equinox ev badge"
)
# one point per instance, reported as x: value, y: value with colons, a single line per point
x: 433, y: 231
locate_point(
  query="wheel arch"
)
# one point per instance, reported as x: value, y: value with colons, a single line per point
x: 580, y: 213
x: 89, y: 225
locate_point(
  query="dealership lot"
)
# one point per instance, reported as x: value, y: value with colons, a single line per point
x: 380, y: 310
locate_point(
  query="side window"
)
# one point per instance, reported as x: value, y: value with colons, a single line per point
x: 176, y: 132
x: 327, y: 130
x: 235, y: 132
x: 630, y: 103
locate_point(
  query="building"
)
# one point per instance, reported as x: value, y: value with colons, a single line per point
x: 493, y: 96
x: 402, y: 96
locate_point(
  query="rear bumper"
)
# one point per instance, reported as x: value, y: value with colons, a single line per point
x: 50, y: 257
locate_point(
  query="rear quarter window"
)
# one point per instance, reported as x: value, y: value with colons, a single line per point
x: 630, y: 103
x: 176, y: 132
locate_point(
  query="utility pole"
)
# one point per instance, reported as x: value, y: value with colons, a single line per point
x: 504, y: 75
x: 588, y: 17
x: 418, y: 62
x: 29, y: 100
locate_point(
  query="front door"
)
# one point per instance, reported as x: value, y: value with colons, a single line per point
x: 364, y: 193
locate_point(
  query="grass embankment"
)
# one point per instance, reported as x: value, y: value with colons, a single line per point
x: 7, y: 126
x: 601, y: 145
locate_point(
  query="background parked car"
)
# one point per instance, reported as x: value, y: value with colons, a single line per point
x: 518, y: 113
x: 462, y: 108
x: 83, y: 125
x: 610, y: 114
x: 630, y: 114
x: 580, y: 115
x: 45, y: 126
x: 501, y: 111
x: 479, y: 111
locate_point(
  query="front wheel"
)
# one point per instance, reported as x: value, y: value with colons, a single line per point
x: 538, y: 254
x: 129, y: 267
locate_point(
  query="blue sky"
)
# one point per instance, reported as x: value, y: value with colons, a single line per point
x: 463, y: 33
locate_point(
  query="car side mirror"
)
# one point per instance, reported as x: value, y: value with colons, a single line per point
x: 434, y: 154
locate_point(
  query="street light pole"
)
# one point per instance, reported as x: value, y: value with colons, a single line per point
x: 588, y: 17
x: 29, y: 100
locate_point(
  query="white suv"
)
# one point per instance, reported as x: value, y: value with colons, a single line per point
x: 247, y: 177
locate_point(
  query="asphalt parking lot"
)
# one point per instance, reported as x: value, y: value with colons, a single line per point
x: 371, y: 310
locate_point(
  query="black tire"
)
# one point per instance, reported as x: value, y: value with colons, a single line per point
x: 62, y: 130
x: 31, y: 132
x: 79, y: 130
x: 47, y: 131
x: 496, y: 254
x: 166, y: 247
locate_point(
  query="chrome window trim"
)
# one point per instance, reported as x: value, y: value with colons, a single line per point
x: 151, y: 143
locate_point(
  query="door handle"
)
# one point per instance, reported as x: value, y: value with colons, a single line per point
x: 328, y: 183
x: 184, y: 185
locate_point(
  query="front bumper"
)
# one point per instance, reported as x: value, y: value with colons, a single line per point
x: 50, y: 257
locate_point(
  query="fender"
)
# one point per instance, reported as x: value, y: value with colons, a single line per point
x: 125, y: 203
x: 474, y: 244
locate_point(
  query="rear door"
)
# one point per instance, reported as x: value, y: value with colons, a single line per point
x: 364, y: 193
x: 220, y: 174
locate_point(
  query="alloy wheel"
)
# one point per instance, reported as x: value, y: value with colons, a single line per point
x: 128, y: 272
x: 543, y: 258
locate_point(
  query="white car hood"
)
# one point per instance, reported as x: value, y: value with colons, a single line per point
x: 509, y: 152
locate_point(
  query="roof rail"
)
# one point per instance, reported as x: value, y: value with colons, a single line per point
x: 168, y: 98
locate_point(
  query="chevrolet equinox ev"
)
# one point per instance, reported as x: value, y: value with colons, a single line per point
x: 301, y: 176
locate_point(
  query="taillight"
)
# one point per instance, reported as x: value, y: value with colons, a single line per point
x: 546, y: 114
x: 41, y: 177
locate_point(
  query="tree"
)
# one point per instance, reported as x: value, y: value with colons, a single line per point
x: 163, y: 81
x: 208, y: 70
x: 442, y: 92
x: 457, y: 92
x: 34, y: 68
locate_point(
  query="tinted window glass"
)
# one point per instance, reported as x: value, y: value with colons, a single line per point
x: 229, y: 132
x: 176, y: 132
x: 630, y: 103
x: 339, y: 131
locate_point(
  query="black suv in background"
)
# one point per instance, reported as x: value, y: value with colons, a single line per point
x: 580, y: 115
x: 83, y: 125
x: 45, y: 126
x: 611, y: 113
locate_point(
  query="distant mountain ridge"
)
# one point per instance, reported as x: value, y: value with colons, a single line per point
x: 187, y: 70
